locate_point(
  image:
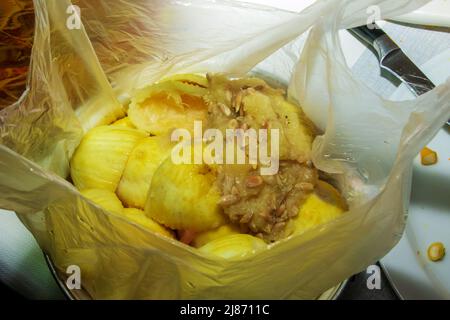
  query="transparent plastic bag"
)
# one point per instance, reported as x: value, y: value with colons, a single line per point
x: 81, y: 78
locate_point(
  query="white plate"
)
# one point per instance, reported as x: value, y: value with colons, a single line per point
x: 407, y: 265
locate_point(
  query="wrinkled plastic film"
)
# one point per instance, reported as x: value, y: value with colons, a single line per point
x: 80, y: 77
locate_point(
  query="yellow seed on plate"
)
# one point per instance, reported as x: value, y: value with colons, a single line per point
x: 436, y: 251
x: 428, y: 157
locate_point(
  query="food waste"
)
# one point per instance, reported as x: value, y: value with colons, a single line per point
x: 227, y: 210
